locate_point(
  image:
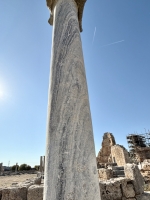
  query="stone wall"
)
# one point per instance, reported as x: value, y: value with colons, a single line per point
x: 120, y: 155
x: 131, y: 187
x: 28, y: 190
x: 120, y: 189
x: 104, y: 155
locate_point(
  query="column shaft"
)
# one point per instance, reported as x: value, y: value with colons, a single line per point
x: 70, y: 168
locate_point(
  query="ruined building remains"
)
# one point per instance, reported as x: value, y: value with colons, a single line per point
x: 112, y: 153
x: 120, y: 155
x: 104, y: 155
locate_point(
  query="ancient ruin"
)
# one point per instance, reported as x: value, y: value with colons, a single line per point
x: 118, y: 179
x: 42, y: 164
x: 120, y: 155
x: 129, y: 187
x: 1, y: 168
x: 104, y: 155
x: 70, y: 164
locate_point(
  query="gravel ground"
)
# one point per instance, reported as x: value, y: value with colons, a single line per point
x: 6, y: 181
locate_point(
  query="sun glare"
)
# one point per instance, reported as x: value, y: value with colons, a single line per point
x: 1, y: 93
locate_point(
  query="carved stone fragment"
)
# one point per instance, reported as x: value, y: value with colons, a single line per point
x: 80, y: 6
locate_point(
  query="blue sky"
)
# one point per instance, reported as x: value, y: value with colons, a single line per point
x: 118, y: 74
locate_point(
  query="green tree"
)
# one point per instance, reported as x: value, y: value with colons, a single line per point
x: 24, y: 167
x: 28, y: 167
x: 13, y: 168
x: 37, y: 167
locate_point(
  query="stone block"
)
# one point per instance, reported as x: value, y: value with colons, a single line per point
x: 14, y: 193
x: 37, y: 180
x: 39, y: 174
x: 35, y: 192
x: 105, y: 174
x: 146, y: 166
x: 110, y: 190
x: 132, y: 172
x: 127, y: 188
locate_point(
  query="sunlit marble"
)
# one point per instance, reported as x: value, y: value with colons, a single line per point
x: 70, y: 170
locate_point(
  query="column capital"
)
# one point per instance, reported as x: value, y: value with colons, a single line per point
x: 80, y: 4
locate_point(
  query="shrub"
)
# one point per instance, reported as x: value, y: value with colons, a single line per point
x: 24, y: 167
x: 28, y: 167
x: 13, y: 168
x: 37, y: 167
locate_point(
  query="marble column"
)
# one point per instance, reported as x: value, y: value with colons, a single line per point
x: 16, y: 168
x: 70, y: 162
x: 41, y: 164
x: 1, y: 168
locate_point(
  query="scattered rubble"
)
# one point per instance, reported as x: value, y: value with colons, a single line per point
x: 129, y: 187
x: 121, y: 178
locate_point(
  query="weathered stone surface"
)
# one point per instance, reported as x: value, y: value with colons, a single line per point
x: 104, y: 155
x: 120, y: 155
x: 0, y: 193
x: 26, y: 184
x: 128, y: 190
x: 126, y: 187
x: 70, y: 165
x: 146, y: 161
x: 35, y: 192
x: 128, y: 198
x: 105, y: 174
x: 37, y: 180
x: 146, y: 166
x: 14, y: 193
x: 132, y: 172
x: 80, y: 6
x: 110, y: 190
x: 39, y: 174
x: 147, y: 186
x: 145, y: 196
